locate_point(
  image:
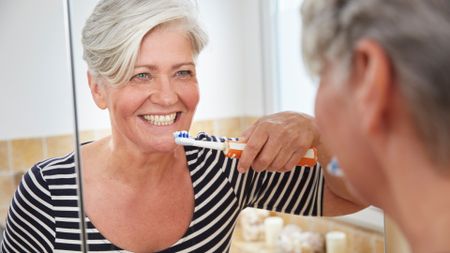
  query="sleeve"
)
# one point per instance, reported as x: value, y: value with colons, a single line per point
x: 30, y: 225
x: 299, y: 191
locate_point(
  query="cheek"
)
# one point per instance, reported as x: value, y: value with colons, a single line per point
x: 190, y: 96
x: 125, y: 102
x: 325, y: 111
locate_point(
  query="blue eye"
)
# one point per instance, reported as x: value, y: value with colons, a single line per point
x: 183, y: 73
x: 142, y: 77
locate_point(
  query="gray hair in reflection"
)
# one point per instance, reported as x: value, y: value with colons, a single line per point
x: 114, y: 31
x: 415, y: 35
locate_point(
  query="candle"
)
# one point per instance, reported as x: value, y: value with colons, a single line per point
x: 272, y: 229
x: 336, y: 242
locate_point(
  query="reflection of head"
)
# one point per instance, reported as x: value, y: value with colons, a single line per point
x: 416, y: 37
x: 113, y: 33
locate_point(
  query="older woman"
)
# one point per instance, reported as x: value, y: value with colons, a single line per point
x: 384, y: 105
x: 143, y: 193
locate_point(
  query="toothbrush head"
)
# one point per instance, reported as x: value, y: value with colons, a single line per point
x: 334, y: 169
x: 183, y: 138
x: 185, y: 141
x: 181, y: 134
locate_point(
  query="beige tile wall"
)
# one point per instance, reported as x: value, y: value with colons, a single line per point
x: 18, y: 155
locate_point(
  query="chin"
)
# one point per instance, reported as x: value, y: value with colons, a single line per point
x: 163, y: 145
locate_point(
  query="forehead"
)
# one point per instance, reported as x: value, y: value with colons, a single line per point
x: 165, y: 46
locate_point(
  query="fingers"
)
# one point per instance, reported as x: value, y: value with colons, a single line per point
x: 277, y: 142
x: 270, y: 156
x: 294, y: 160
x: 254, y: 144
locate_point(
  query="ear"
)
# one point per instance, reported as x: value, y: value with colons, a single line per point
x: 97, y: 91
x: 373, y: 85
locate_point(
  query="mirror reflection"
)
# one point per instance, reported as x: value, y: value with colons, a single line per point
x: 140, y: 184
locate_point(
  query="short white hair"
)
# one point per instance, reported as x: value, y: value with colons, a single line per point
x: 416, y: 36
x: 114, y: 31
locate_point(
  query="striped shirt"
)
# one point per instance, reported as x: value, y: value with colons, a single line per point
x: 43, y: 216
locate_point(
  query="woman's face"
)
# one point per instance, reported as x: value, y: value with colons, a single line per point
x: 337, y: 118
x: 162, y: 95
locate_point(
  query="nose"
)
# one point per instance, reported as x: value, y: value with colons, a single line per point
x: 165, y: 93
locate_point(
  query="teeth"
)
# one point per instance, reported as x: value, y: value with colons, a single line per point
x: 160, y: 120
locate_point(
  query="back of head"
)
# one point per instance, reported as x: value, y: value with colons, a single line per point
x: 113, y: 33
x: 415, y: 35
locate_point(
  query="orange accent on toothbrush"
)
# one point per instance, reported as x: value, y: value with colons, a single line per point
x: 234, y: 149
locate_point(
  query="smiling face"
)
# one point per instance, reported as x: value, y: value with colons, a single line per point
x: 159, y: 99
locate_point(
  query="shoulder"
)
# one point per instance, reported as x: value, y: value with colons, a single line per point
x: 54, y: 167
x: 46, y: 173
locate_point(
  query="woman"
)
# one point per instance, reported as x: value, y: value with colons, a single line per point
x: 384, y: 89
x: 143, y: 193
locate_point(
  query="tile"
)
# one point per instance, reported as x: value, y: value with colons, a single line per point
x: 247, y: 121
x: 4, y: 156
x: 101, y: 133
x: 201, y: 126
x: 3, y: 215
x: 6, y: 189
x: 60, y: 145
x: 229, y: 127
x: 26, y: 153
x: 17, y: 178
x: 87, y: 136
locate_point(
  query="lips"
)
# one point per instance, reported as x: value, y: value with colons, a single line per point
x: 160, y: 119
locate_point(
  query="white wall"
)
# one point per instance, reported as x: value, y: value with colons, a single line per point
x: 296, y: 89
x: 34, y: 67
x: 35, y: 91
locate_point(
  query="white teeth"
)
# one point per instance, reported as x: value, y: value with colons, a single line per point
x: 160, y: 120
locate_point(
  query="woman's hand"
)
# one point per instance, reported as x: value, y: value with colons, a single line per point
x: 277, y: 142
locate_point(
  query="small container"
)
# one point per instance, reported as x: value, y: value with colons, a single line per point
x: 272, y: 229
x: 336, y: 242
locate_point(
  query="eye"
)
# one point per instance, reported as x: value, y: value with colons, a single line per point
x: 183, y: 74
x: 141, y: 77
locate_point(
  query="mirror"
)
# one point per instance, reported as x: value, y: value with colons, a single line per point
x: 36, y: 83
x: 36, y: 108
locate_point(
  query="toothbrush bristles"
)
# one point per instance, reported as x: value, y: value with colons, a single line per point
x: 181, y: 134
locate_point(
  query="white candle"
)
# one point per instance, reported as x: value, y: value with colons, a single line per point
x: 272, y: 229
x: 336, y: 242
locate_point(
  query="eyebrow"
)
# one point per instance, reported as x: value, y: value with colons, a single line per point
x: 156, y: 67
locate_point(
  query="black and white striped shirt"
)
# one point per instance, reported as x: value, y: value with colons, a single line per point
x: 43, y: 215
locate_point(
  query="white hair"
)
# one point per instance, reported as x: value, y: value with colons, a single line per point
x: 113, y: 33
x: 415, y: 35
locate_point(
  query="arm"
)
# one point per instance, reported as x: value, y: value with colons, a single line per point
x: 277, y: 142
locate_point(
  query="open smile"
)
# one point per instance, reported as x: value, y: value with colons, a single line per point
x: 160, y: 119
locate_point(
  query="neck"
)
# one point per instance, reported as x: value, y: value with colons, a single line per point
x: 131, y: 166
x: 419, y: 198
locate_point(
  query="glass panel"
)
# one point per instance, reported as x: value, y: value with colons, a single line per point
x: 36, y: 111
x: 230, y: 77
